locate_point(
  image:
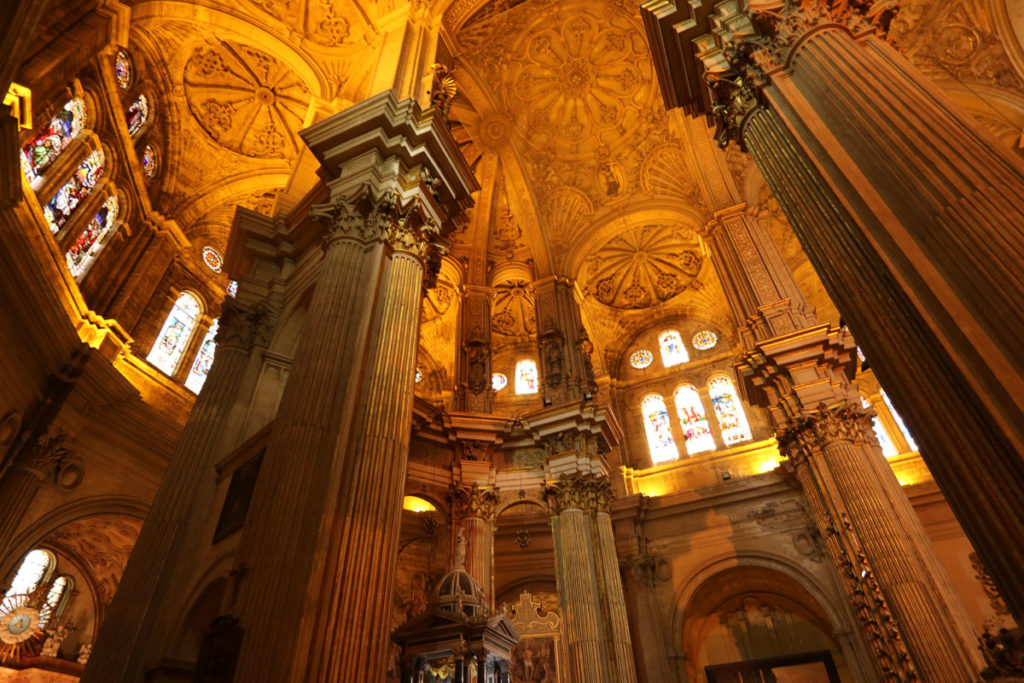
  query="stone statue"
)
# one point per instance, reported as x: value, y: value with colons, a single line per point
x: 460, y: 550
x: 51, y: 648
x: 83, y: 653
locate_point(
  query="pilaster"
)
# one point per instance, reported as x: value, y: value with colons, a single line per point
x: 473, y: 382
x: 566, y: 370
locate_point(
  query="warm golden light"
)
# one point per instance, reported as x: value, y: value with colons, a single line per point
x: 417, y: 504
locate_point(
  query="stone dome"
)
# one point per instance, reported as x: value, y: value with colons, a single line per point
x: 460, y: 592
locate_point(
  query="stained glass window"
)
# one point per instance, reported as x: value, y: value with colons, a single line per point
x: 659, y: 429
x: 889, y: 449
x: 899, y: 422
x: 54, y: 597
x: 728, y: 410
x: 641, y: 359
x: 149, y: 161
x: 138, y: 114
x: 704, y: 340
x: 232, y: 288
x: 672, y: 350
x: 499, y: 381
x: 419, y: 375
x: 204, y: 359
x: 526, y: 377
x: 212, y: 259
x: 48, y: 143
x: 34, y: 568
x: 123, y: 70
x: 175, y: 335
x: 77, y: 188
x: 693, y: 420
x: 89, y: 243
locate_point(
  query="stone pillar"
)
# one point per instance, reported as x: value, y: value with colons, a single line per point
x: 912, y: 215
x: 652, y: 655
x: 119, y: 646
x: 566, y: 371
x: 912, y: 619
x: 474, y: 362
x: 589, y: 584
x: 321, y: 541
x: 760, y: 289
x: 476, y: 507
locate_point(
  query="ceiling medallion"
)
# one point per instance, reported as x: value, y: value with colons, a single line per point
x: 512, y: 310
x: 245, y: 99
x: 644, y: 266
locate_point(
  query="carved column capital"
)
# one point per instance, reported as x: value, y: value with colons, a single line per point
x: 640, y: 570
x: 243, y: 327
x: 43, y: 455
x: 474, y: 501
x: 579, y: 492
x: 803, y: 438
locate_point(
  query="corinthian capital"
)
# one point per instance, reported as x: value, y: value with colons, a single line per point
x: 580, y: 492
x: 474, y: 502
x: 43, y: 455
x: 805, y: 437
x: 242, y: 327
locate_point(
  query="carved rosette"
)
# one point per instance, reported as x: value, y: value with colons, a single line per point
x: 804, y: 438
x: 405, y: 226
x: 580, y: 492
x: 474, y: 502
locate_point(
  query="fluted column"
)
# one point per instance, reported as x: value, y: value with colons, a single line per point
x: 475, y: 507
x: 566, y: 371
x: 912, y: 215
x: 117, y: 655
x: 623, y: 664
x: 578, y: 587
x: 911, y: 617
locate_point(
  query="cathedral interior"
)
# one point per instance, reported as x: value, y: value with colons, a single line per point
x: 480, y: 341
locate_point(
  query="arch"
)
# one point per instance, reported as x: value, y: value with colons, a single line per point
x: 693, y: 419
x: 732, y: 421
x: 673, y: 351
x: 660, y: 443
x: 527, y: 380
x: 176, y: 333
x: 52, y: 139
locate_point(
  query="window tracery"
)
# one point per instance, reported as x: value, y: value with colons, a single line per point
x: 526, y: 377
x: 658, y: 428
x: 704, y: 340
x: 672, y: 350
x: 88, y: 245
x: 213, y: 260
x: 149, y: 163
x: 728, y: 411
x: 34, y: 569
x: 47, y: 144
x: 694, y: 421
x: 174, y: 337
x: 204, y: 359
x: 70, y: 195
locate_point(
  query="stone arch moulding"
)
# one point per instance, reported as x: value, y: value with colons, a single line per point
x: 504, y: 506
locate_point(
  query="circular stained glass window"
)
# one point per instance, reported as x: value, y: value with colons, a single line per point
x: 149, y: 161
x: 213, y: 259
x: 498, y: 381
x: 123, y: 70
x: 641, y: 359
x: 419, y: 375
x: 704, y: 340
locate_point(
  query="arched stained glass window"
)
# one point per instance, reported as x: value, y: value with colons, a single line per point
x: 123, y: 70
x: 232, y: 288
x: 71, y: 194
x: 499, y: 381
x: 149, y: 161
x: 659, y: 429
x: 175, y: 334
x: 54, y: 600
x: 672, y: 350
x: 204, y: 359
x: 693, y: 420
x: 728, y: 410
x: 526, y: 377
x: 138, y: 114
x: 889, y: 449
x: 34, y: 569
x: 48, y: 143
x: 899, y: 422
x: 88, y: 245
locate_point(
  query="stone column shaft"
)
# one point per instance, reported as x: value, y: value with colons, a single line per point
x: 615, y: 601
x: 912, y: 215
x: 652, y: 655
x: 578, y: 594
x: 121, y: 641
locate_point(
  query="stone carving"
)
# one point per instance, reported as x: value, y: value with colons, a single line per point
x: 474, y: 501
x: 537, y: 620
x: 551, y: 356
x: 246, y: 100
x: 513, y: 312
x: 507, y: 233
x: 44, y: 455
x: 443, y: 90
x: 51, y: 647
x: 529, y: 617
x: 989, y: 586
x: 644, y: 266
x: 479, y: 378
x: 243, y: 327
x: 321, y: 21
x: 580, y: 492
x: 84, y: 652
x: 664, y: 173
x: 802, y: 438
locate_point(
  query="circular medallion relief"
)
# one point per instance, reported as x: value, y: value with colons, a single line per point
x: 245, y: 99
x: 644, y: 266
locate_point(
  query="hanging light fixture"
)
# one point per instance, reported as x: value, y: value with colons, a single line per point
x: 522, y: 536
